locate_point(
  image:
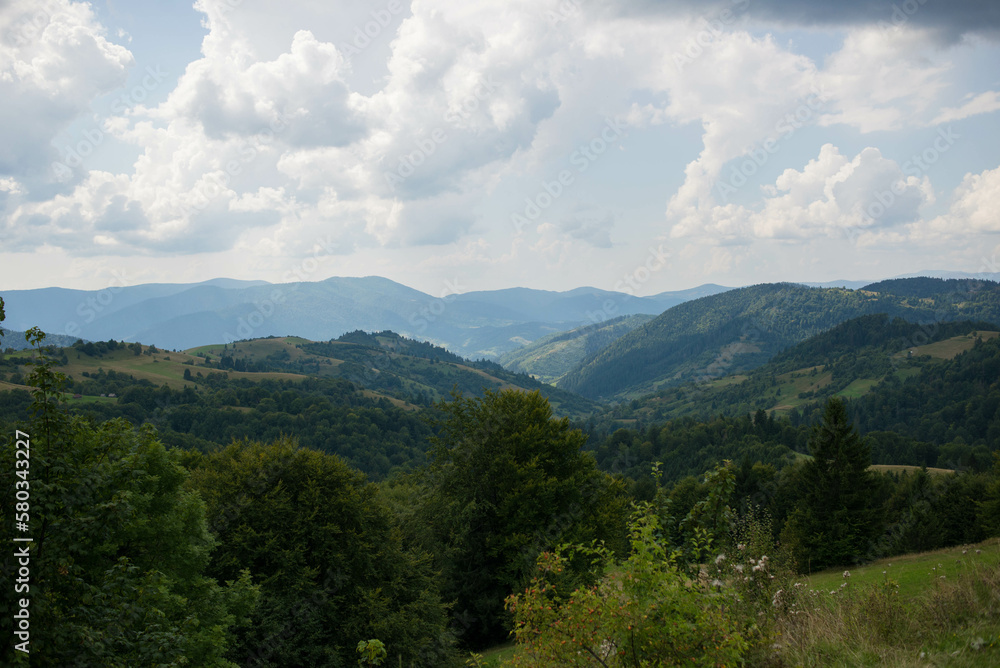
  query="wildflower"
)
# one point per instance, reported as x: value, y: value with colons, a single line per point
x: 741, y: 547
x: 847, y: 574
x: 719, y: 559
x: 738, y: 568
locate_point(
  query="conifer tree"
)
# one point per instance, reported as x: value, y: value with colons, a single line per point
x: 833, y: 520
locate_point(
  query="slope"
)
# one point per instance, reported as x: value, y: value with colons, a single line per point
x: 548, y: 359
x: 741, y: 329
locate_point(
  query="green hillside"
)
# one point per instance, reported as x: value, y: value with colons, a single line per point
x: 406, y: 372
x: 739, y: 330
x: 549, y: 359
x: 846, y: 361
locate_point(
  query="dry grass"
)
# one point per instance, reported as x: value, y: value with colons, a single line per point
x: 955, y: 622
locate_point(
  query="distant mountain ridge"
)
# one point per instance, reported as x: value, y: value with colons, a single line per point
x: 481, y: 324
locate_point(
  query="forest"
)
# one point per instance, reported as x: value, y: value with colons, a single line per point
x: 283, y: 522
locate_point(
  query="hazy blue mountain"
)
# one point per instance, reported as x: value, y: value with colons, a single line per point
x: 15, y: 340
x: 482, y: 324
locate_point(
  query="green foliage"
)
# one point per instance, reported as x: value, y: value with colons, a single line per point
x: 643, y: 611
x: 551, y: 357
x: 509, y: 481
x: 688, y: 447
x: 833, y: 522
x: 120, y: 547
x: 757, y: 582
x: 372, y: 653
x: 327, y: 555
x: 741, y: 329
x: 947, y: 400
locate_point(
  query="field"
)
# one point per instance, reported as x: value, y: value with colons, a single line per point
x: 915, y: 573
x: 900, y: 468
x: 939, y: 608
x: 948, y: 348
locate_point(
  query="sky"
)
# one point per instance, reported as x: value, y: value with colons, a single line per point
x: 453, y: 146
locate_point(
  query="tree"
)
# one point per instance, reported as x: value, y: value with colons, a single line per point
x: 327, y: 556
x: 642, y: 611
x: 833, y: 522
x: 510, y: 481
x: 119, y: 547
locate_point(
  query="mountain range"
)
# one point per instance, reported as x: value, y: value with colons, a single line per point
x: 481, y: 324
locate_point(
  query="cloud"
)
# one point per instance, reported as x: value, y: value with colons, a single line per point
x: 975, y: 207
x: 949, y: 19
x: 830, y: 196
x: 54, y: 60
x: 592, y: 224
x: 273, y: 138
x: 984, y: 103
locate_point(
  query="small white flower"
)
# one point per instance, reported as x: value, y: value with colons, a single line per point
x: 738, y: 568
x: 847, y: 574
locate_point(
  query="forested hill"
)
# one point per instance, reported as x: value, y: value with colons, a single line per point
x: 739, y: 330
x: 846, y: 361
x: 551, y: 357
x: 924, y: 286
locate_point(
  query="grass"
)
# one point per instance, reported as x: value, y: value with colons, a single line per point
x: 914, y: 572
x: 858, y: 388
x: 949, y: 348
x: 939, y: 608
x: 903, y: 468
x: 496, y: 656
